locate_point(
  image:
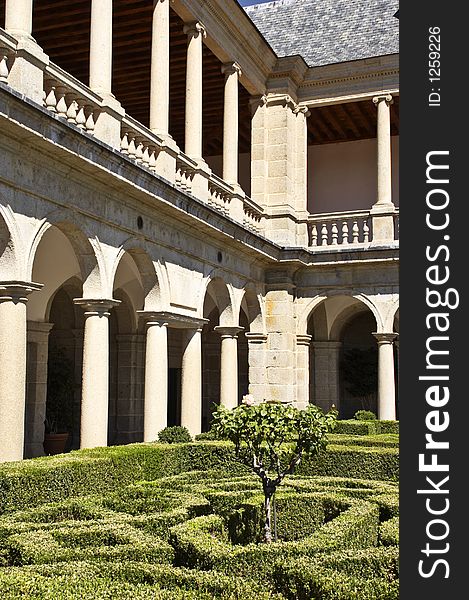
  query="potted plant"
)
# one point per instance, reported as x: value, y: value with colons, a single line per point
x: 59, y: 405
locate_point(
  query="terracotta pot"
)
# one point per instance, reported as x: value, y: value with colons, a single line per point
x: 54, y: 443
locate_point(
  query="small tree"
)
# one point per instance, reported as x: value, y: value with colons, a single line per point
x: 272, y: 438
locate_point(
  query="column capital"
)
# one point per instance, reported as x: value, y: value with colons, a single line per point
x: 153, y: 318
x: 385, y: 338
x: 303, y: 339
x: 228, y: 332
x: 17, y: 291
x: 383, y: 97
x: 230, y: 68
x: 195, y: 29
x: 96, y: 306
x: 302, y: 109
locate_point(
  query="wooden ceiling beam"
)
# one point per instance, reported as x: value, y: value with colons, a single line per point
x: 365, y: 120
x: 349, y: 119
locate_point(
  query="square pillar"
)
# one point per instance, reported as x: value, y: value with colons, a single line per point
x: 326, y: 374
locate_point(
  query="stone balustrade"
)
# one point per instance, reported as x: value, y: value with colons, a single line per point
x: 220, y: 194
x: 70, y: 99
x: 253, y: 216
x: 139, y: 143
x: 346, y: 229
x: 185, y: 169
x: 7, y: 54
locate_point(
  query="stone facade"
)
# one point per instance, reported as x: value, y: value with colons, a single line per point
x: 167, y: 286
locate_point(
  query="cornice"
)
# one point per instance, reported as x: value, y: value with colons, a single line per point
x: 252, y: 52
x: 324, y: 82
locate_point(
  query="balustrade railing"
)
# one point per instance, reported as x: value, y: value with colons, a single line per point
x: 346, y: 229
x: 139, y: 143
x: 70, y: 99
x: 185, y: 169
x: 7, y: 54
x: 253, y: 215
x: 219, y: 194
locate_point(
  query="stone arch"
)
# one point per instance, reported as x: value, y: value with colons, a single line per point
x: 252, y: 306
x: 9, y: 246
x: 87, y: 249
x: 343, y: 319
x: 221, y: 296
x: 340, y: 325
x: 152, y: 277
x: 312, y: 305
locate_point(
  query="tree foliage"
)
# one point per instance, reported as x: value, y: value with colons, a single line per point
x: 272, y: 438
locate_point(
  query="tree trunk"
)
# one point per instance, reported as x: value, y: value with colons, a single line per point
x: 268, y: 493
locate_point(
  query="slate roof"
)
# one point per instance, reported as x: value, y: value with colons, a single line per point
x: 328, y: 31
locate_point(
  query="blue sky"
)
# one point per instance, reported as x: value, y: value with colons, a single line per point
x: 249, y: 2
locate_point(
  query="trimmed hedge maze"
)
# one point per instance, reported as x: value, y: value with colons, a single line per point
x: 153, y: 527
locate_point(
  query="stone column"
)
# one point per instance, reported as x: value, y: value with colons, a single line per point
x: 383, y: 210
x: 108, y: 124
x: 229, y: 365
x: 384, y: 150
x: 159, y: 87
x: 13, y: 298
x: 386, y: 385
x: 191, y: 382
x: 19, y: 17
x: 101, y: 47
x: 27, y: 71
x: 95, y: 382
x: 195, y: 34
x: 36, y: 387
x: 232, y: 71
x: 302, y: 370
x: 156, y: 378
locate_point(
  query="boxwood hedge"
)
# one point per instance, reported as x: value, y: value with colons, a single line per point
x: 135, y: 521
x: 50, y: 479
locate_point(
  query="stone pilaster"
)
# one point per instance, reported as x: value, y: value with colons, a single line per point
x: 281, y: 343
x: 326, y: 374
x: 129, y: 405
x: 229, y: 365
x: 13, y: 299
x: 257, y: 356
x: 278, y: 163
x: 195, y: 34
x: 36, y: 387
x: 386, y: 384
x: 95, y: 382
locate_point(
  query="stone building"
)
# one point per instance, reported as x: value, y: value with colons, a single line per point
x: 196, y: 202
